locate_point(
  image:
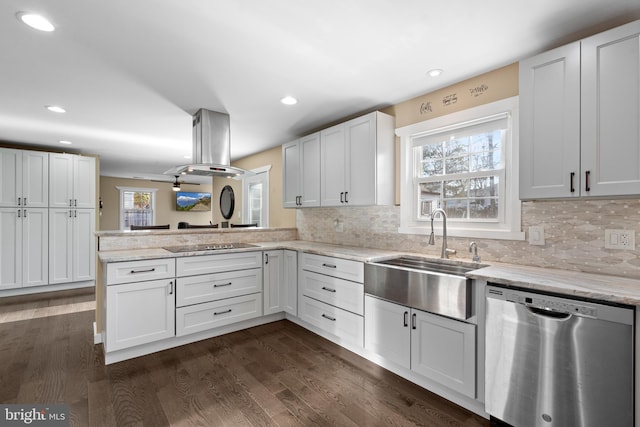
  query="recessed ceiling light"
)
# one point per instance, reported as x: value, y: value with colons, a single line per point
x: 55, y: 109
x: 36, y: 21
x: 289, y: 100
x: 434, y: 73
x: 65, y: 142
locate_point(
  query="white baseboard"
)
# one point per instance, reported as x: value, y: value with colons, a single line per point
x: 46, y: 288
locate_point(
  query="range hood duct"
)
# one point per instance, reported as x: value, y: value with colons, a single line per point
x: 211, y: 147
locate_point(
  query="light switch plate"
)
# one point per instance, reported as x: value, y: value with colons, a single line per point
x: 620, y: 239
x: 536, y: 235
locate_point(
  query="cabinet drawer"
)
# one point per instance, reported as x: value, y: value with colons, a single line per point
x: 336, y: 267
x: 210, y: 287
x: 138, y: 271
x: 347, y: 326
x: 206, y: 264
x: 201, y: 317
x: 341, y: 293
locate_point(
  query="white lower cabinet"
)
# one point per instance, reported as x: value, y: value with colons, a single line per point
x: 201, y: 317
x: 280, y: 282
x: 23, y: 247
x: 139, y: 313
x: 436, y: 347
x: 348, y: 327
x: 71, y: 245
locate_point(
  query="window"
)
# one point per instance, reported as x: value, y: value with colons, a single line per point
x: 137, y: 206
x: 463, y: 163
x: 255, y: 204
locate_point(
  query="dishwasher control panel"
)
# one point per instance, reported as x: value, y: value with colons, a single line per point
x: 544, y: 302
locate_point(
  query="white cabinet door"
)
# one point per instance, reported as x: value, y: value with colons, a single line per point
x: 444, y: 350
x: 84, y: 245
x: 24, y: 240
x: 360, y: 152
x: 139, y: 313
x: 291, y: 185
x: 71, y: 245
x: 10, y: 248
x: 24, y: 178
x: 386, y: 330
x: 35, y: 247
x: 290, y: 283
x: 332, y: 166
x: 273, y: 273
x: 35, y: 179
x: 61, y: 180
x: 10, y: 176
x: 611, y: 112
x: 550, y: 124
x: 60, y: 245
x: 310, y: 170
x: 84, y: 182
x: 72, y: 181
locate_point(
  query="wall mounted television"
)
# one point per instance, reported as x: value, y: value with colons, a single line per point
x: 187, y: 201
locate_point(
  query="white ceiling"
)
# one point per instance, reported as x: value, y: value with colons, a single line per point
x: 131, y: 73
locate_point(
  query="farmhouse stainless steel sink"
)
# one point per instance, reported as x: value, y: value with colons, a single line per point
x: 437, y: 286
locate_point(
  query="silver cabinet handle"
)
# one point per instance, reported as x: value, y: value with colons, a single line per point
x: 75, y: 214
x: 75, y: 202
x: 413, y: 321
x: 324, y: 288
x: 220, y: 285
x: 150, y: 270
x: 333, y: 319
x: 70, y: 214
x: 19, y: 201
x: 171, y: 288
x: 24, y: 201
x: 406, y: 319
x: 19, y: 213
x: 24, y: 213
x: 217, y: 313
x: 70, y: 203
x: 329, y: 265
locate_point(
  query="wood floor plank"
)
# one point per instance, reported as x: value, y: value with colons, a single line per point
x: 278, y: 374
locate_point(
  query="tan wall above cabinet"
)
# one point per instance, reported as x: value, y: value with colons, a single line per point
x: 579, y: 118
x: 349, y: 164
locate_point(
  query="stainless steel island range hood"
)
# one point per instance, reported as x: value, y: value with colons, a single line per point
x: 211, y: 147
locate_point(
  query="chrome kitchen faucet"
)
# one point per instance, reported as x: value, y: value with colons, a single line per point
x: 432, y: 241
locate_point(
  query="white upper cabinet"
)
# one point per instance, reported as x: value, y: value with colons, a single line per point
x: 349, y: 164
x: 73, y: 181
x: 357, y: 162
x: 611, y: 112
x: 24, y: 178
x: 301, y: 172
x: 580, y: 118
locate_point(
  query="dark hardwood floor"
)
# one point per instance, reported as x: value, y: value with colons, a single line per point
x: 276, y: 374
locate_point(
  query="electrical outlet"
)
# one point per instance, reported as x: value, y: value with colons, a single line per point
x: 620, y: 239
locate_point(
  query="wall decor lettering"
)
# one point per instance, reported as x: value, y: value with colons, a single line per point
x: 478, y: 90
x: 425, y: 107
x: 450, y: 99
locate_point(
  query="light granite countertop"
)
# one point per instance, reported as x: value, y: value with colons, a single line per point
x: 586, y: 285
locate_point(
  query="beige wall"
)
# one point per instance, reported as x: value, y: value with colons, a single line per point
x: 166, y: 212
x: 278, y: 216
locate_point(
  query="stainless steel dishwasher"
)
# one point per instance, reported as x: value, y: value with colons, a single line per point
x: 553, y: 361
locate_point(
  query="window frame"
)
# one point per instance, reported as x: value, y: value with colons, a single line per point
x: 508, y: 227
x: 261, y: 175
x: 122, y: 190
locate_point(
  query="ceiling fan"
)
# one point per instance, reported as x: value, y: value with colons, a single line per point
x: 176, y: 183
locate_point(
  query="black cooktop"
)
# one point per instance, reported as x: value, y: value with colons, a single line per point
x: 209, y: 247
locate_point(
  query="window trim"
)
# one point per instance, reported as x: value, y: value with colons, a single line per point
x: 262, y: 174
x: 510, y: 227
x: 135, y: 189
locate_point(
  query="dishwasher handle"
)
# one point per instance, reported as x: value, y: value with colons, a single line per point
x: 549, y: 313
